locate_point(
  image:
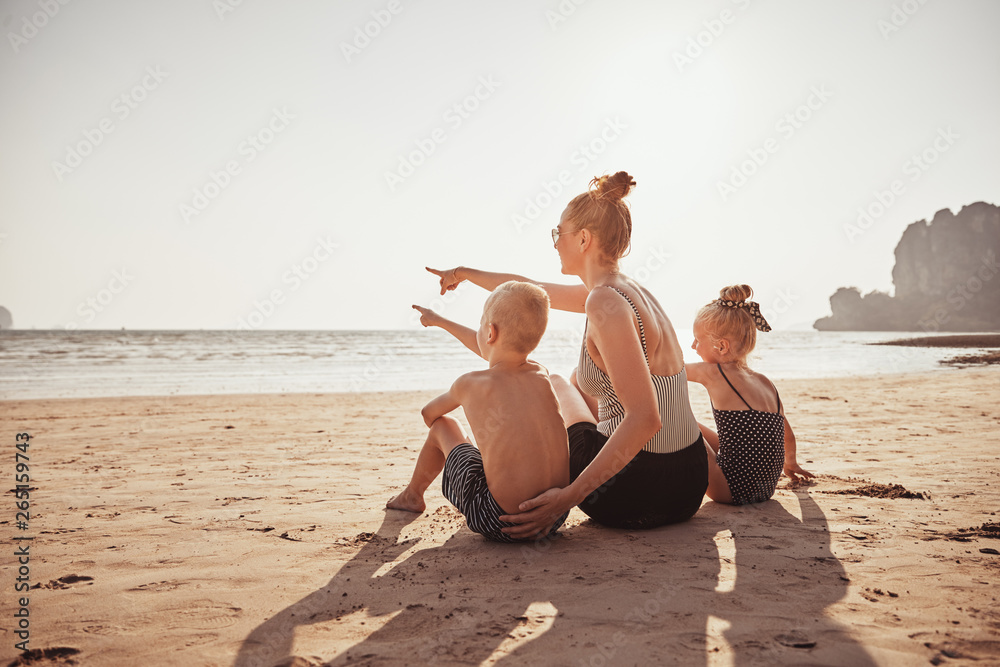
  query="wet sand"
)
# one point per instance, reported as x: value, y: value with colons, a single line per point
x: 953, y: 340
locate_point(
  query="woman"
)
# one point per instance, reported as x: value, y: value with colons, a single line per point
x: 641, y: 461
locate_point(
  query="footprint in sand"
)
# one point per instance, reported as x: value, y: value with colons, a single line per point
x: 199, y: 616
x: 795, y: 639
x: 158, y: 586
x: 64, y: 582
x: 693, y: 641
x: 47, y: 657
x: 297, y: 661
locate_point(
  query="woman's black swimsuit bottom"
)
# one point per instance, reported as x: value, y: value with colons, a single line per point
x: 651, y: 490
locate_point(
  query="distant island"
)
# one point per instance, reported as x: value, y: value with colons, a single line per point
x: 945, y: 278
x: 6, y: 320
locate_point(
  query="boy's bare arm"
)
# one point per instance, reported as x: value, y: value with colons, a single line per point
x: 465, y: 335
x: 440, y: 406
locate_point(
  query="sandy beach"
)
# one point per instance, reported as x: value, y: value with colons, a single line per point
x: 250, y: 530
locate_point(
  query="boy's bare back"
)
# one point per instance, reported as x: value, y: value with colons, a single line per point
x: 515, y: 418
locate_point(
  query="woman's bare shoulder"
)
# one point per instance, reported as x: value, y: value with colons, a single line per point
x: 605, y: 300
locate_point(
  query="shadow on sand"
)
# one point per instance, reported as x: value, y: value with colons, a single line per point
x: 595, y: 596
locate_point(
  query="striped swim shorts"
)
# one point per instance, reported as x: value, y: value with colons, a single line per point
x: 464, y: 484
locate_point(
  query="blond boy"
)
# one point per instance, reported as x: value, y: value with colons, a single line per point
x: 512, y: 409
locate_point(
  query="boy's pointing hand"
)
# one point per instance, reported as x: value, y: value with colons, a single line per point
x: 428, y: 317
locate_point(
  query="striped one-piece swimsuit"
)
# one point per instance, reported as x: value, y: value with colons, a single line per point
x: 666, y: 481
x: 679, y: 426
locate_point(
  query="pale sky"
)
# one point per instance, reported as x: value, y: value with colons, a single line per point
x: 187, y: 164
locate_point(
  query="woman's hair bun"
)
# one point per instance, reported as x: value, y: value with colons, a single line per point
x: 736, y: 293
x: 615, y: 187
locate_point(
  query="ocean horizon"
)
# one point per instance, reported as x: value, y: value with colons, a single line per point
x: 38, y: 364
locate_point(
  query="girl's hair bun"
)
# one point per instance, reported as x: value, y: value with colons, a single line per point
x: 733, y: 318
x: 736, y: 293
x: 614, y: 188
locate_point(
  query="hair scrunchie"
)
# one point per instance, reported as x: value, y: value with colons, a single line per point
x: 752, y: 307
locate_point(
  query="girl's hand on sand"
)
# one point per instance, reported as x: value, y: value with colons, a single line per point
x: 538, y: 515
x: 793, y: 471
x: 449, y: 279
x: 428, y: 317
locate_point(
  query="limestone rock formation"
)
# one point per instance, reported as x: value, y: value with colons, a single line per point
x: 946, y: 278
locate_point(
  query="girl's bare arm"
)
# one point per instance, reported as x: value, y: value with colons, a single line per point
x: 792, y: 468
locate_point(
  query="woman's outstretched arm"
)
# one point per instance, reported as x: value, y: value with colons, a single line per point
x: 465, y: 335
x: 572, y: 298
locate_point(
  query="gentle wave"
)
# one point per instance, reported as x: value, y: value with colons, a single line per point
x: 63, y: 364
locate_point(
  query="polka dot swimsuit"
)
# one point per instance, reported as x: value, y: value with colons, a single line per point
x: 751, y: 449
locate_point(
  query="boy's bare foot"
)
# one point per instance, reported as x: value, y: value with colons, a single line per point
x: 407, y: 501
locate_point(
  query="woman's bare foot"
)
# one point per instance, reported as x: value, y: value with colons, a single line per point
x: 407, y: 501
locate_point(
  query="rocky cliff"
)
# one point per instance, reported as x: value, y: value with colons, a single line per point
x: 946, y: 278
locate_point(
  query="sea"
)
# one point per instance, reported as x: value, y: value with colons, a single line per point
x: 79, y: 364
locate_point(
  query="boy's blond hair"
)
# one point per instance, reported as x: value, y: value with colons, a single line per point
x: 520, y: 312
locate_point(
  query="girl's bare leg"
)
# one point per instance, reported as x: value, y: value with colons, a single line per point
x: 571, y: 402
x: 590, y: 400
x: 711, y: 439
x: 718, y: 488
x: 445, y: 434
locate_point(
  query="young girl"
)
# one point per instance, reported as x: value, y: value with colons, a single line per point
x: 754, y: 443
